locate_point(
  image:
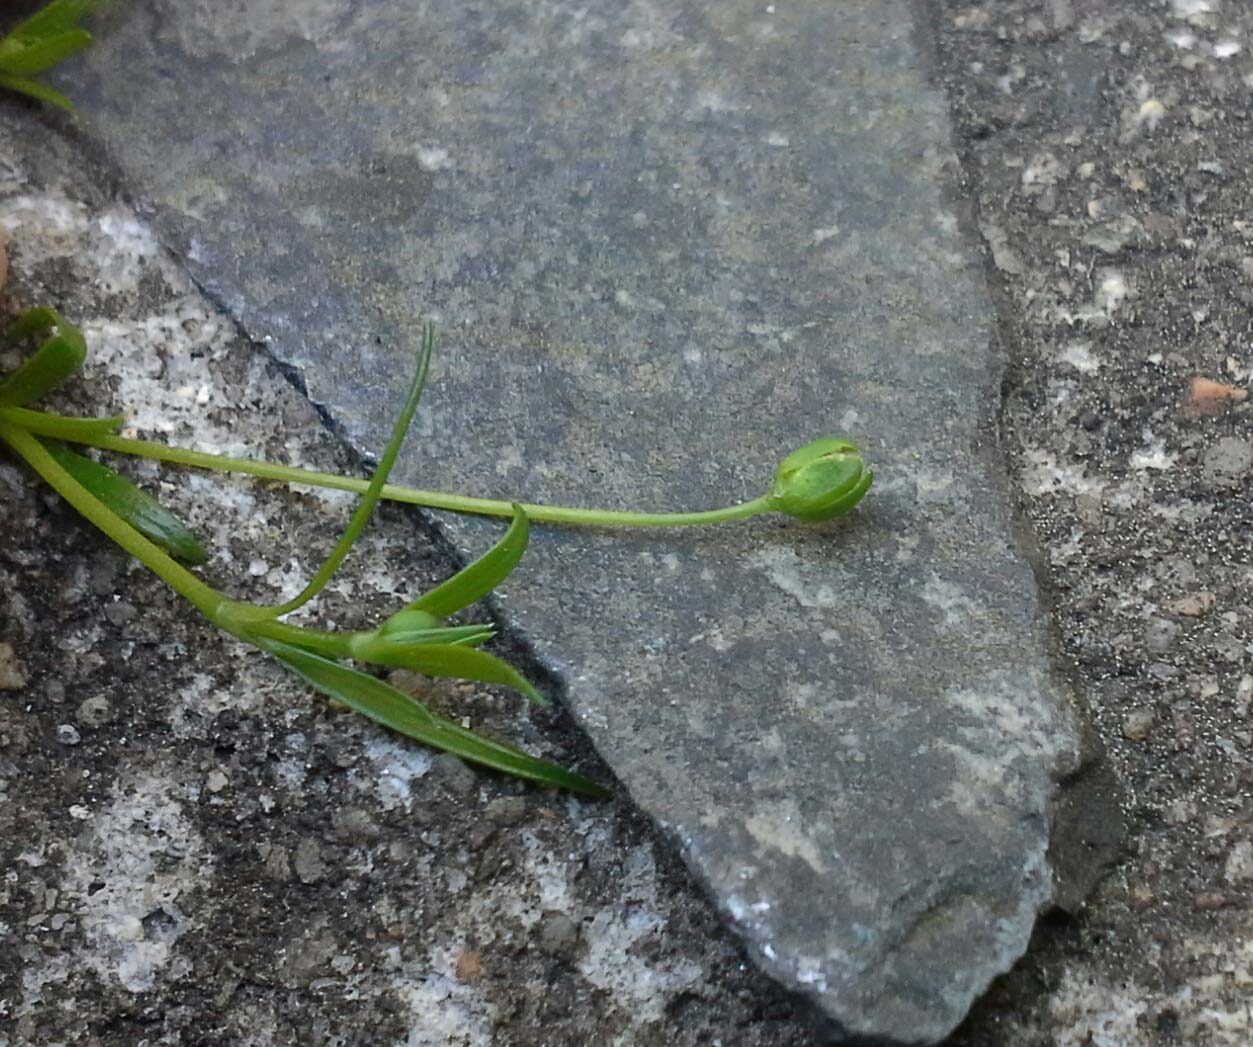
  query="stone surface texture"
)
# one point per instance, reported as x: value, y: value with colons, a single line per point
x: 667, y: 244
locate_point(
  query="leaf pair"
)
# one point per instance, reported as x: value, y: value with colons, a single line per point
x: 415, y: 639
x: 44, y: 40
x: 393, y: 708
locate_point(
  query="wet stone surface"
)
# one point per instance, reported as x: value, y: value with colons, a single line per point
x: 668, y: 247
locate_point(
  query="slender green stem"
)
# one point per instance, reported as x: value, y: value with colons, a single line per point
x: 208, y: 600
x: 458, y: 503
x: 61, y: 427
x: 374, y: 489
x: 328, y: 645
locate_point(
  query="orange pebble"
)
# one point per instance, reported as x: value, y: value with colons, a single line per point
x: 1206, y: 397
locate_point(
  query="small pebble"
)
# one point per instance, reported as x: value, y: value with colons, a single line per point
x: 277, y: 862
x: 1184, y: 723
x: 1193, y: 605
x: 119, y: 612
x: 12, y: 671
x: 1150, y: 114
x: 94, y: 712
x: 1206, y: 398
x: 1239, y: 868
x: 558, y: 933
x: 1160, y: 634
x: 469, y: 967
x: 308, y: 862
x: 506, y: 810
x: 1180, y: 812
x: 1228, y: 461
x: 1244, y: 696
x: 67, y: 734
x: 354, y: 823
x: 454, y: 774
x: 1137, y: 724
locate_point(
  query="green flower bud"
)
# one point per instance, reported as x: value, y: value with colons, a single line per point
x: 822, y: 480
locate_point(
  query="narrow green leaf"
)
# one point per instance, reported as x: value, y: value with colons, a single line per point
x: 36, y: 90
x: 139, y: 509
x: 18, y: 58
x: 472, y: 634
x: 474, y: 582
x: 444, y: 659
x: 31, y: 323
x: 410, y: 626
x: 63, y: 427
x: 365, y: 508
x: 56, y: 17
x: 47, y: 367
x: 392, y: 708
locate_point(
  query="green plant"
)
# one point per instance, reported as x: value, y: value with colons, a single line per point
x: 47, y: 38
x: 823, y: 479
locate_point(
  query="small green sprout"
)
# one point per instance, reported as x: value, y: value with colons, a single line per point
x: 414, y: 638
x: 44, y: 40
x: 822, y: 480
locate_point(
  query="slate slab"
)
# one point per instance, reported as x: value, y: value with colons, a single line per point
x: 667, y: 243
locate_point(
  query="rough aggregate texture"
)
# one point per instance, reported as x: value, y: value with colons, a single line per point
x: 1107, y: 146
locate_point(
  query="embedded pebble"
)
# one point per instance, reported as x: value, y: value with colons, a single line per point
x: 506, y: 810
x: 458, y: 778
x: 1228, y: 461
x: 1137, y: 724
x: 94, y: 712
x: 12, y: 671
x: 1160, y: 634
x: 1111, y: 237
x: 308, y: 862
x: 469, y: 967
x: 1239, y: 867
x: 558, y: 933
x: 1192, y: 606
x: 1206, y: 398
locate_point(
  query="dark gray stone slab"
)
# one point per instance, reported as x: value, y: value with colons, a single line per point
x: 667, y: 243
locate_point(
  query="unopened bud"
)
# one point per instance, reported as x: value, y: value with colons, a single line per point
x: 822, y: 480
